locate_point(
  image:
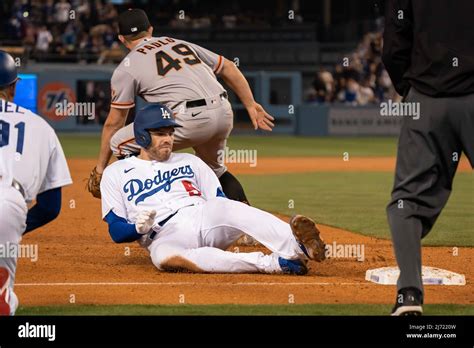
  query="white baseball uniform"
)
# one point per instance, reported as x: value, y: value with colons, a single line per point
x: 175, y: 72
x: 203, y: 226
x: 30, y: 154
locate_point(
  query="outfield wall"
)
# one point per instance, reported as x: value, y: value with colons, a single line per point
x: 88, y: 87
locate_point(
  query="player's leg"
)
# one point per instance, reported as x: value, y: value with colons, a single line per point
x: 233, y: 188
x: 465, y: 120
x: 12, y: 219
x: 123, y: 143
x: 212, y: 151
x: 424, y: 172
x: 207, y: 132
x: 224, y: 219
x: 174, y: 258
x: 181, y: 246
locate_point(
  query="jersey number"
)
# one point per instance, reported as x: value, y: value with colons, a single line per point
x: 5, y: 135
x: 164, y: 62
x: 188, y: 186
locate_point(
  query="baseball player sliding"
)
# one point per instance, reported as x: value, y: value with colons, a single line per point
x: 182, y: 76
x: 172, y: 204
x: 32, y: 167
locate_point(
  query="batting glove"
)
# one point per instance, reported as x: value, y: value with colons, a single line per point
x: 145, y: 221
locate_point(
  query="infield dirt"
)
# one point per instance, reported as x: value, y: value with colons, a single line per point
x: 77, y: 257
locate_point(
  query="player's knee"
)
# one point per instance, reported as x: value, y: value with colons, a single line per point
x: 169, y: 259
x: 159, y: 254
x: 164, y: 257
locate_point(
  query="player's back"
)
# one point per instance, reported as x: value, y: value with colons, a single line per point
x: 168, y: 71
x: 29, y: 149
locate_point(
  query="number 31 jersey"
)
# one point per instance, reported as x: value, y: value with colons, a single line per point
x: 30, y: 152
x: 168, y: 71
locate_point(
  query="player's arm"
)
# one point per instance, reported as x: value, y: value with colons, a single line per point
x: 120, y: 230
x: 123, y: 99
x: 46, y: 209
x: 398, y: 42
x: 234, y: 78
x: 48, y: 200
x: 238, y: 83
x: 114, y: 212
x: 123, y: 232
x: 115, y: 120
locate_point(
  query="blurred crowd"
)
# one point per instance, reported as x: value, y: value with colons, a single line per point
x: 89, y: 27
x: 87, y: 31
x: 63, y: 26
x: 359, y: 79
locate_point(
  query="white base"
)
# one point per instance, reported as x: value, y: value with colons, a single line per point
x: 430, y: 275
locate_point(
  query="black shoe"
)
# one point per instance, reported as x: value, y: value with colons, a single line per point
x: 409, y: 302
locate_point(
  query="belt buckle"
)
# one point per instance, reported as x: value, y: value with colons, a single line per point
x: 17, y: 186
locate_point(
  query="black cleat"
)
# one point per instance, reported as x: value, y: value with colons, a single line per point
x: 409, y: 303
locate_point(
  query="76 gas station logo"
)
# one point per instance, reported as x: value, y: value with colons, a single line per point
x: 52, y: 94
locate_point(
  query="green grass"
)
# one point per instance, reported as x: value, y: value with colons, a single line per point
x: 80, y: 145
x: 353, y: 201
x: 286, y: 146
x: 357, y: 201
x: 294, y: 309
x: 87, y: 145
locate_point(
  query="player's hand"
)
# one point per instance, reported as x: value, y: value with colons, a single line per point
x: 145, y: 221
x: 260, y: 118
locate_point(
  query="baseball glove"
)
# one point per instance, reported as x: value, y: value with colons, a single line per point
x: 93, y: 184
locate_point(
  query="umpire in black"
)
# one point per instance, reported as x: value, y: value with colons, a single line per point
x: 429, y: 54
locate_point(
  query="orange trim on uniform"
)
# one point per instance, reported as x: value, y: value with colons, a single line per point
x: 122, y: 144
x: 218, y: 68
x: 127, y: 105
x: 122, y: 106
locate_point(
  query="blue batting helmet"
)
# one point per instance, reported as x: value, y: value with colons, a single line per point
x: 152, y: 116
x: 8, y: 71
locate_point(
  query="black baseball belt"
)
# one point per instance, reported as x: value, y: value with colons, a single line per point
x: 200, y: 102
x: 162, y: 223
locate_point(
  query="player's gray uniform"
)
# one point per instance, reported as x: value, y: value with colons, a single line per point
x: 180, y: 75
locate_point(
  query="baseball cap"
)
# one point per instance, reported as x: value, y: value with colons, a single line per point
x: 133, y: 21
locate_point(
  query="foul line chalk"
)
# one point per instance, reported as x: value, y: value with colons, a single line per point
x: 183, y: 283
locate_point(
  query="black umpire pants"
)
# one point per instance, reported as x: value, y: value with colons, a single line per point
x: 429, y: 149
